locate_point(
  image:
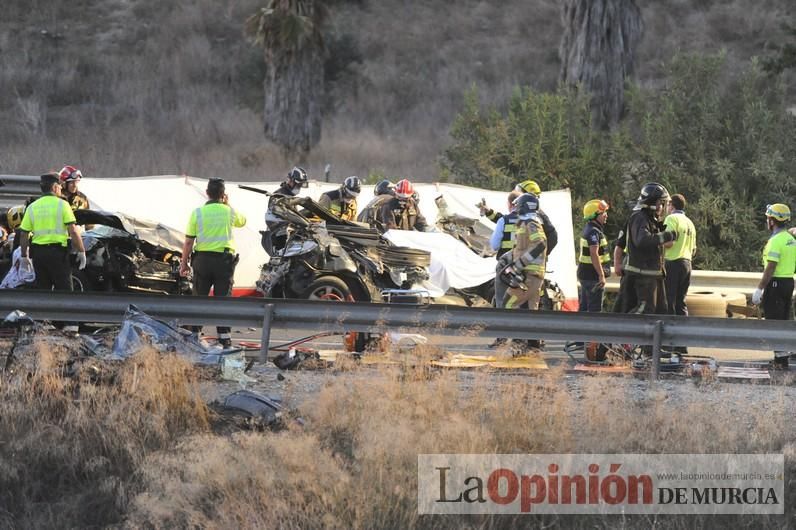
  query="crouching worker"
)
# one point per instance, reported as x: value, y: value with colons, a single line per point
x: 209, y: 237
x: 525, y: 274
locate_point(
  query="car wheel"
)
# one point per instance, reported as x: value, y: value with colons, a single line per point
x: 328, y: 288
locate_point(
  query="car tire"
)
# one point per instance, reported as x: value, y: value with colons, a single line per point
x: 327, y: 288
x: 706, y: 304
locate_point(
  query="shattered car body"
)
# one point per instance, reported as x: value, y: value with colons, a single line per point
x: 128, y: 254
x: 328, y: 258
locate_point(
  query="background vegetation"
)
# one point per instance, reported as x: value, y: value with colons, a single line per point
x: 149, y: 87
x: 728, y: 145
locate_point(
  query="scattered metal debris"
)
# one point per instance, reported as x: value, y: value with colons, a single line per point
x: 139, y: 330
x: 258, y: 411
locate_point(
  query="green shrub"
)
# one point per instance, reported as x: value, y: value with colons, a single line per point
x: 726, y: 143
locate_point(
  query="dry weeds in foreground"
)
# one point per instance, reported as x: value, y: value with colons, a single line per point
x: 70, y: 449
x: 355, y: 464
x: 137, y: 449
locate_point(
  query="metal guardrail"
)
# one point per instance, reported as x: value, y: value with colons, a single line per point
x: 19, y: 186
x: 656, y: 330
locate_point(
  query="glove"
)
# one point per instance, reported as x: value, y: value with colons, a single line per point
x: 757, y: 296
x: 482, y: 207
x: 674, y: 235
x: 81, y: 261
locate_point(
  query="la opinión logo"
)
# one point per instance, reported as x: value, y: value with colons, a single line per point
x: 504, y: 486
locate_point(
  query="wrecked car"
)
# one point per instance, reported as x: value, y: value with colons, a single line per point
x: 125, y: 254
x: 327, y: 258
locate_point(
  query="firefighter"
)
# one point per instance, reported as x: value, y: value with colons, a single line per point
x: 401, y: 212
x: 678, y: 256
x: 342, y: 202
x: 274, y: 238
x: 382, y: 193
x: 70, y: 177
x: 46, y: 228
x: 209, y: 237
x: 524, y: 275
x: 502, y: 241
x: 594, y: 259
x: 526, y: 186
x: 643, y: 284
x: 775, y: 289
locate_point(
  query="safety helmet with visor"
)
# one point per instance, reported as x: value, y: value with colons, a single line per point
x: 526, y: 206
x: 593, y: 209
x: 778, y: 211
x: 404, y: 190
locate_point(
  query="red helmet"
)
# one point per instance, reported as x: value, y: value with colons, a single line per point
x: 404, y: 189
x: 69, y: 174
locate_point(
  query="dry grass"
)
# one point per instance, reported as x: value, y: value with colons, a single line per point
x: 138, y: 450
x: 355, y: 464
x: 70, y: 449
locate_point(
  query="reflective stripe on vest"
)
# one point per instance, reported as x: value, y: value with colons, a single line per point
x: 602, y: 251
x: 46, y: 218
x: 509, y: 230
x: 213, y: 225
x: 643, y: 272
x: 535, y: 235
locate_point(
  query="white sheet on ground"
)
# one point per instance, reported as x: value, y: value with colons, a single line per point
x: 452, y: 263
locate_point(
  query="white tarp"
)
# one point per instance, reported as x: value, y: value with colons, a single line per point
x: 170, y: 200
x: 453, y: 264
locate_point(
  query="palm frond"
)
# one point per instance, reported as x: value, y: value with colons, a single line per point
x: 286, y: 25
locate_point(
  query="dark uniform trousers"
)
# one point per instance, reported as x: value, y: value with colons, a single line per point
x: 51, y: 265
x: 777, y: 298
x: 643, y: 294
x: 214, y: 269
x: 678, y: 279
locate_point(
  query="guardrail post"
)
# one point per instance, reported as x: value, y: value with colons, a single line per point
x: 657, y: 338
x: 268, y: 315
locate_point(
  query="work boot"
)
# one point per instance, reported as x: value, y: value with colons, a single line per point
x: 497, y: 343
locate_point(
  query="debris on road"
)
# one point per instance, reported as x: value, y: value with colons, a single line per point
x: 139, y: 330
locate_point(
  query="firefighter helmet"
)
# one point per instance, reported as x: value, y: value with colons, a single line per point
x: 385, y: 187
x: 69, y: 174
x: 651, y: 193
x: 593, y: 208
x: 404, y: 189
x: 526, y: 206
x: 528, y: 186
x: 352, y: 186
x: 778, y: 211
x: 298, y: 176
x: 14, y: 216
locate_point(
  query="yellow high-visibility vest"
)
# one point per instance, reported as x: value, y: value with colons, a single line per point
x: 47, y: 219
x: 212, y: 225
